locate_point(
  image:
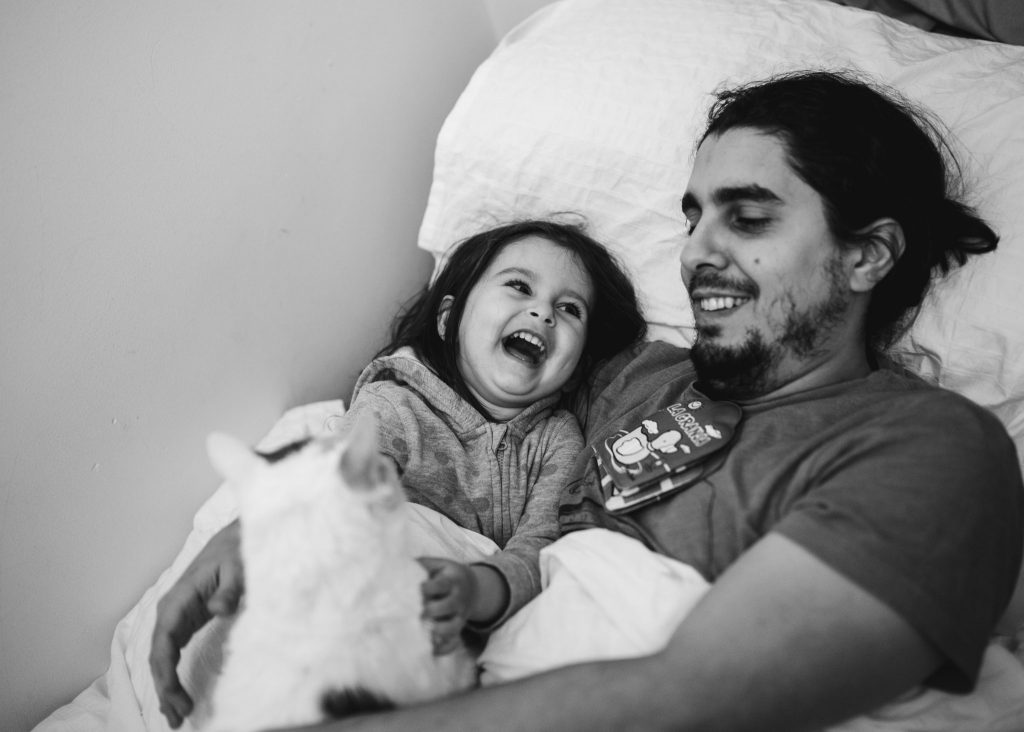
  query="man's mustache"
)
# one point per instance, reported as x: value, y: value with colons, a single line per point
x: 712, y: 280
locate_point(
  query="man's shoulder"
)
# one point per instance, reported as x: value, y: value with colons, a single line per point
x: 906, y: 386
x: 900, y: 401
x: 639, y: 378
x: 650, y: 362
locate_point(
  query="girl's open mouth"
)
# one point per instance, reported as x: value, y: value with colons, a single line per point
x: 525, y: 346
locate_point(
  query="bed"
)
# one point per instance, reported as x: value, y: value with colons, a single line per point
x: 588, y: 110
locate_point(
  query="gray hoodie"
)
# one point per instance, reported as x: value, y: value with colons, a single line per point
x: 501, y: 479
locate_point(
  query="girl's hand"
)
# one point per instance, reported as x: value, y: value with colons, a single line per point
x: 449, y: 594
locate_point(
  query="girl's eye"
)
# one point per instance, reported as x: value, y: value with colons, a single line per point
x: 573, y: 309
x: 519, y: 285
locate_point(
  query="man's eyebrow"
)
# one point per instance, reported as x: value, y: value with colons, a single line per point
x: 732, y: 194
x: 751, y: 192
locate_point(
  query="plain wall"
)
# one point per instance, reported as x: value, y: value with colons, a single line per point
x: 209, y: 215
x: 506, y: 14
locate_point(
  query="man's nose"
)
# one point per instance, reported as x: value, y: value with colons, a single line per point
x: 700, y: 249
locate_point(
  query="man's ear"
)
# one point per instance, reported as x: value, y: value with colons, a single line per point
x: 442, y: 314
x: 876, y: 253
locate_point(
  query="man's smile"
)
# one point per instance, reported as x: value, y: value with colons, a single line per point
x: 720, y: 303
x: 713, y: 292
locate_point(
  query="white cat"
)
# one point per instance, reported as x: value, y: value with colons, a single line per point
x: 331, y: 618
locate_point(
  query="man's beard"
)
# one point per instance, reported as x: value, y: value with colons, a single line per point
x: 750, y: 369
x: 733, y: 372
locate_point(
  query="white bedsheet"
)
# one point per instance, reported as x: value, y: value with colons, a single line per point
x: 124, y: 700
x: 633, y: 598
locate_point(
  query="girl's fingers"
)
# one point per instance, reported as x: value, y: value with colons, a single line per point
x: 445, y: 636
x: 440, y: 610
x: 436, y: 586
x: 444, y: 645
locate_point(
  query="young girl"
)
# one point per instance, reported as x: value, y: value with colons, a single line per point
x: 470, y: 400
x: 471, y: 397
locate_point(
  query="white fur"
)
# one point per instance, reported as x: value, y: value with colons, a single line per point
x: 332, y: 595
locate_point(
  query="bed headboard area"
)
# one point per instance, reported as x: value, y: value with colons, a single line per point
x: 593, y: 107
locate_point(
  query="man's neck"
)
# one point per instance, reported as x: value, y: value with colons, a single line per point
x: 797, y: 377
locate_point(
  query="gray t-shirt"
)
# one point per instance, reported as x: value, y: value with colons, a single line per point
x: 911, y: 491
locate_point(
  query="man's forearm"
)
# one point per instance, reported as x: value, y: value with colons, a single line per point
x: 780, y: 642
x: 588, y: 697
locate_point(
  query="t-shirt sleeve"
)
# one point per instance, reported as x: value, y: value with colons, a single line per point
x: 925, y: 514
x: 519, y: 562
x: 629, y: 386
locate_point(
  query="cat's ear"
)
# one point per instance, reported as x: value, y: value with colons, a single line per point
x: 442, y: 314
x: 359, y: 459
x: 231, y: 457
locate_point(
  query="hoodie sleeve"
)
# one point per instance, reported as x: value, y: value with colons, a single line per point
x: 393, y: 437
x: 518, y: 562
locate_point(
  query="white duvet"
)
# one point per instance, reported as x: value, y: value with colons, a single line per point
x: 124, y: 700
x: 632, y: 599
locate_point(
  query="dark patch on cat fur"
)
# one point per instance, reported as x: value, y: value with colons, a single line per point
x: 350, y: 702
x: 282, y: 452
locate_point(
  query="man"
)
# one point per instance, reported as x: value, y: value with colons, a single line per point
x: 862, y: 530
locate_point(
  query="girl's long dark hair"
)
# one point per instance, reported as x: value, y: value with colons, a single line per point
x: 615, y: 322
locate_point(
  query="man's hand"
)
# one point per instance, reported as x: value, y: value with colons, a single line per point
x: 211, y: 585
x: 449, y: 593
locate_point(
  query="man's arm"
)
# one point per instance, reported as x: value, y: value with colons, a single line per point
x: 780, y: 642
x: 212, y: 584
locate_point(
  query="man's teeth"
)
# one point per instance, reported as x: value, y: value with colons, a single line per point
x: 710, y: 304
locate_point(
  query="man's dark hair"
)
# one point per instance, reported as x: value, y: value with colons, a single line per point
x: 869, y: 154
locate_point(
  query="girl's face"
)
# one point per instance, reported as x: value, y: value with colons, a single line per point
x: 524, y: 325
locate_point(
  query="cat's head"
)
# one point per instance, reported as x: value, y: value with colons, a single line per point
x: 331, y: 489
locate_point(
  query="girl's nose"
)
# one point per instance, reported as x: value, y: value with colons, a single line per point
x: 544, y: 313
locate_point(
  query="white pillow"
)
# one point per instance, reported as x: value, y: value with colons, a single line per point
x: 593, y: 107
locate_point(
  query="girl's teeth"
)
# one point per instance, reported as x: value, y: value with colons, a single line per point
x: 526, y: 347
x: 530, y: 338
